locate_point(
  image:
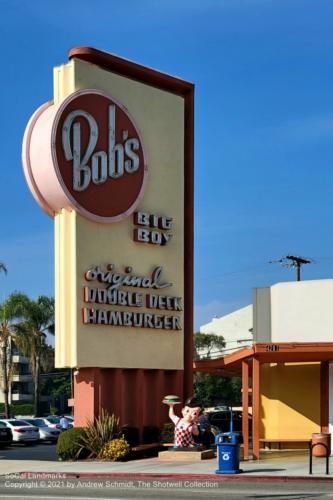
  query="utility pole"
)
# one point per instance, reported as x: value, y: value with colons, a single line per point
x: 297, y: 262
x: 293, y: 261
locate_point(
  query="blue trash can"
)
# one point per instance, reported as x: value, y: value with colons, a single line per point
x: 228, y: 450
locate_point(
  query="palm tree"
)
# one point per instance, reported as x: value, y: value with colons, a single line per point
x: 10, y: 310
x: 37, y: 320
x: 3, y: 268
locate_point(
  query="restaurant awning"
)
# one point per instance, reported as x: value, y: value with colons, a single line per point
x: 246, y: 363
x: 280, y: 352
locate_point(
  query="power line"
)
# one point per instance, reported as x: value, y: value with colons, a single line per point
x: 223, y: 351
x: 323, y: 258
x: 262, y: 268
x: 229, y: 341
x: 232, y: 273
x: 293, y: 261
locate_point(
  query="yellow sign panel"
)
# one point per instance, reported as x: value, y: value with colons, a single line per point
x: 116, y: 189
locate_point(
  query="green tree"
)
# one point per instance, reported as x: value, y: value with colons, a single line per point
x: 10, y: 310
x: 213, y: 390
x: 56, y: 383
x: 48, y: 358
x: 58, y: 386
x: 37, y: 320
x: 206, y: 344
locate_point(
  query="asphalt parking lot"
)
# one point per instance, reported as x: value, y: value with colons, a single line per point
x: 39, y: 451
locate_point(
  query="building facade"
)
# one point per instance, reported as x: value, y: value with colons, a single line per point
x: 21, y: 383
x: 295, y: 312
x: 235, y: 328
x: 287, y: 372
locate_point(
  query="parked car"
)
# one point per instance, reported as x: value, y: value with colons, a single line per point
x: 54, y: 421
x: 46, y: 433
x: 221, y: 420
x: 22, y: 431
x: 6, y: 436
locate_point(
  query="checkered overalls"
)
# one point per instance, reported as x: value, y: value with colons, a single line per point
x: 183, y: 434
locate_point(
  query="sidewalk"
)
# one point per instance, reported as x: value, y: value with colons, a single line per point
x: 282, y: 466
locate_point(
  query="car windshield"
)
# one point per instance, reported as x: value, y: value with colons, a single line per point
x: 53, y: 420
x: 36, y: 422
x: 17, y: 423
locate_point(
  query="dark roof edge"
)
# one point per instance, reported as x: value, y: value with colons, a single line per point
x: 132, y: 70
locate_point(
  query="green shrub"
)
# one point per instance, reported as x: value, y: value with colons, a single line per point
x: 99, y: 432
x: 167, y: 433
x: 114, y: 450
x: 19, y: 409
x: 68, y: 447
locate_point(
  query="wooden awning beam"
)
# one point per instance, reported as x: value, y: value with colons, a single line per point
x: 269, y: 352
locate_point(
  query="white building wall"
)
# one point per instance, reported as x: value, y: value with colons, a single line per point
x: 236, y: 329
x: 302, y: 311
x: 297, y: 311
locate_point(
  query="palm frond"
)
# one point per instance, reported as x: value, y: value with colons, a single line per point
x: 3, y: 268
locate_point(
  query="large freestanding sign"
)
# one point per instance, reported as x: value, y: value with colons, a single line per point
x: 111, y: 159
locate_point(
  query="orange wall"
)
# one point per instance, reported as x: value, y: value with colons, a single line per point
x: 290, y: 400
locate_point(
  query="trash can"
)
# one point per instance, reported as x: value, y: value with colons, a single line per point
x: 228, y: 449
x: 320, y: 439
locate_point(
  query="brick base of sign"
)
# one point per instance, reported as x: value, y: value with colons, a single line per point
x: 186, y: 456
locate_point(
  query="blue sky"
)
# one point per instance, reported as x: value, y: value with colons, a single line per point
x: 263, y: 138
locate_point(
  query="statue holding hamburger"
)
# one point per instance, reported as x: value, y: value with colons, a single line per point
x: 186, y: 427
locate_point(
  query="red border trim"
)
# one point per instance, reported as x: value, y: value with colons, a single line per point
x: 132, y: 70
x: 246, y: 476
